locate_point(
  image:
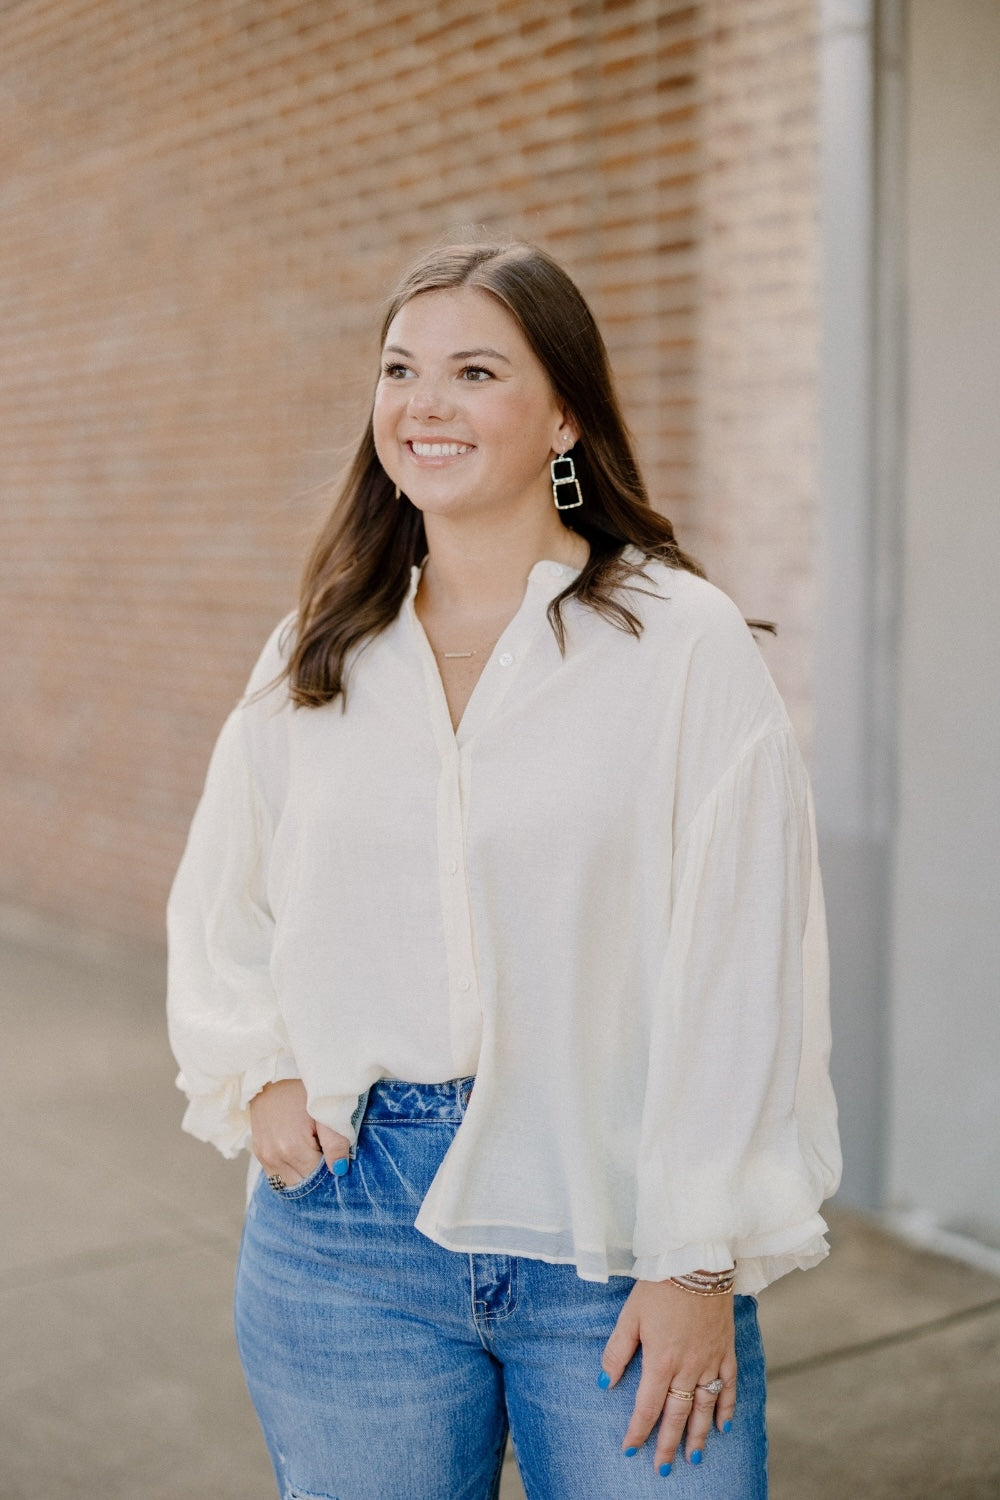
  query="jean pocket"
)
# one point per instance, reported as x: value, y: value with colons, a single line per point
x: 308, y: 1184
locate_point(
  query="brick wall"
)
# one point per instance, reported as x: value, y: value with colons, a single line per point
x: 758, y: 325
x: 203, y: 201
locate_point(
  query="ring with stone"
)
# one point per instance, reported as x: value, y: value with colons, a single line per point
x: 278, y: 1183
x: 715, y: 1386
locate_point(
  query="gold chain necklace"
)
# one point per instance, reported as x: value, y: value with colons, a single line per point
x: 464, y: 655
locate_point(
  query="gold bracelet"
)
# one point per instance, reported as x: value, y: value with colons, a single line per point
x: 709, y: 1277
x: 719, y: 1291
x: 707, y: 1283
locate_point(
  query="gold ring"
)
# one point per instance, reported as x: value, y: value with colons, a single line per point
x: 681, y: 1395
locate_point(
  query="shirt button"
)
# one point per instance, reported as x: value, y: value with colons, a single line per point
x: 452, y: 866
x: 507, y: 659
x: 465, y: 984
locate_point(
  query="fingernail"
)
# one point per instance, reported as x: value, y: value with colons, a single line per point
x: 631, y: 1452
x: 604, y: 1380
x: 340, y: 1167
x: 697, y: 1456
x: 727, y: 1426
x: 665, y: 1469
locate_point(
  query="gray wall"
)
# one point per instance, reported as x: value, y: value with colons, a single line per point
x: 908, y: 670
x: 944, y: 1137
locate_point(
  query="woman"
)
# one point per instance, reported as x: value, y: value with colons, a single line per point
x: 499, y: 936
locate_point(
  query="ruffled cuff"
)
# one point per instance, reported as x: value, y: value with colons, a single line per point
x: 759, y: 1260
x: 222, y: 1117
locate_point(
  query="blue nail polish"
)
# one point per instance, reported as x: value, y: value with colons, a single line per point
x: 727, y: 1426
x: 604, y: 1380
x: 631, y: 1452
x: 340, y: 1167
x: 697, y: 1456
x: 665, y: 1469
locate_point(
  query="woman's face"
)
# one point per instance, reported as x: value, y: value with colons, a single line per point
x: 465, y: 418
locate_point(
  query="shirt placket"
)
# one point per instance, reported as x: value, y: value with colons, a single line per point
x: 454, y: 794
x: 464, y: 1001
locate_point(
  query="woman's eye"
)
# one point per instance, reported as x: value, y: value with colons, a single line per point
x: 476, y: 373
x: 395, y: 371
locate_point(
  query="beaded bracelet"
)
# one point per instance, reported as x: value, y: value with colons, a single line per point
x: 707, y: 1283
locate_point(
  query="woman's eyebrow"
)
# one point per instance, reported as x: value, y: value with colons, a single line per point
x: 459, y: 354
x: 478, y: 353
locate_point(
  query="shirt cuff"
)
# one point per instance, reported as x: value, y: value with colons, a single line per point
x: 759, y: 1260
x: 222, y: 1117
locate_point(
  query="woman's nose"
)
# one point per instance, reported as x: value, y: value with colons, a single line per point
x: 431, y: 398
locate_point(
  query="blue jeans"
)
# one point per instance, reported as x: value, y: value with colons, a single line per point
x: 383, y: 1367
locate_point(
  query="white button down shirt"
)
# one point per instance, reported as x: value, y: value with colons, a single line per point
x: 600, y: 895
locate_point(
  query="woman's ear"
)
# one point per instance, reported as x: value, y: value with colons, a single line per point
x: 568, y: 433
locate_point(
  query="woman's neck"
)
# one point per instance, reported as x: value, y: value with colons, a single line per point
x: 482, y: 570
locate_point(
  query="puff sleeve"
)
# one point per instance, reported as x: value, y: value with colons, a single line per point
x: 739, y: 1140
x: 224, y: 1022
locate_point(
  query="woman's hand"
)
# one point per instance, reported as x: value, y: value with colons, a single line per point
x: 287, y: 1141
x: 687, y: 1342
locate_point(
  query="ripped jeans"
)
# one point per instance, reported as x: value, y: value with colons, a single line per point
x: 383, y: 1367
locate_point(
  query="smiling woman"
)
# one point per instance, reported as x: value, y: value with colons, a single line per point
x: 359, y: 572
x: 499, y: 940
x: 468, y: 433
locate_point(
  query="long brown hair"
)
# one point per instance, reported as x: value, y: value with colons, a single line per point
x: 358, y: 574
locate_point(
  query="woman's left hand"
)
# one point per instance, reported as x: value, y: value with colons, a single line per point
x: 687, y: 1342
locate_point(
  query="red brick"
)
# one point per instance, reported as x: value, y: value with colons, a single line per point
x: 204, y: 203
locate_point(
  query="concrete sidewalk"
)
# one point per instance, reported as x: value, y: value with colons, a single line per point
x: 119, y: 1379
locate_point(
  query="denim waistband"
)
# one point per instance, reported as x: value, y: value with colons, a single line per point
x: 392, y: 1099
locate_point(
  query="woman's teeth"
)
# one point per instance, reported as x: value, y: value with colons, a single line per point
x: 439, y: 450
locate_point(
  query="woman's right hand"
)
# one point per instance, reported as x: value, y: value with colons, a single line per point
x: 287, y: 1141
